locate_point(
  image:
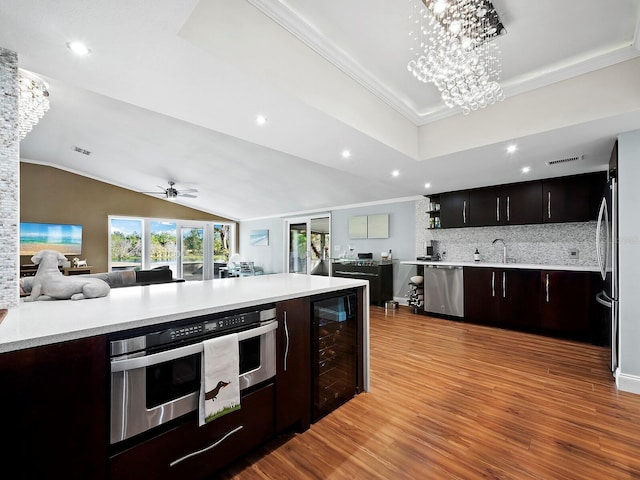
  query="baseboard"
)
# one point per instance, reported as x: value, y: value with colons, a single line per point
x: 627, y: 383
x: 402, y: 300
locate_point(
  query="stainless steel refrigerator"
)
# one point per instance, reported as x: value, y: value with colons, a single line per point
x: 607, y: 254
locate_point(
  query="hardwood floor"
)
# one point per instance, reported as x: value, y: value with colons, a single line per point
x: 451, y: 400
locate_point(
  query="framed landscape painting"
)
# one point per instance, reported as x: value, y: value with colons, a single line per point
x: 259, y: 238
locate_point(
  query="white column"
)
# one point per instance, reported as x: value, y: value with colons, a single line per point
x: 9, y: 179
x: 628, y: 376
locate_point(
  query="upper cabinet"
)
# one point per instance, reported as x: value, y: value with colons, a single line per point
x: 564, y: 199
x: 516, y: 204
x: 573, y: 199
x: 454, y: 209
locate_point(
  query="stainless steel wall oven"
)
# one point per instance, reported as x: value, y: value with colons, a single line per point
x: 156, y: 376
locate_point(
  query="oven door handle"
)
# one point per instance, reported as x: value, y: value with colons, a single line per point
x: 168, y: 355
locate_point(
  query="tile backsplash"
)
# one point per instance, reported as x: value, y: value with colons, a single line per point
x: 547, y: 244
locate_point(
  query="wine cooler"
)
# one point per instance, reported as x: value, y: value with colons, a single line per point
x: 334, y: 361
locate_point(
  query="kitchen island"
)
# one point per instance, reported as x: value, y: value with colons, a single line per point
x: 46, y: 322
x: 55, y: 372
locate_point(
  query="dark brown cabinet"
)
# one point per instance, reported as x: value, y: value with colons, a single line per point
x: 480, y: 295
x: 190, y: 451
x: 454, y: 209
x: 485, y: 207
x: 554, y: 302
x: 565, y: 199
x: 504, y: 297
x: 565, y: 299
x: 54, y: 408
x: 293, y: 392
x: 572, y: 199
x: 379, y: 275
x: 521, y: 203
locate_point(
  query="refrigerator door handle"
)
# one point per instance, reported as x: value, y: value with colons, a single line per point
x: 603, y: 299
x: 601, y: 214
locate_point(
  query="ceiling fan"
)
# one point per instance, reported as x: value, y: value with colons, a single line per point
x: 171, y: 192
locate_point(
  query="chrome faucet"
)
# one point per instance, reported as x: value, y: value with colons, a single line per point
x: 504, y: 249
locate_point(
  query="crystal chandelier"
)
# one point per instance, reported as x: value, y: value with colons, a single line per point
x: 33, y: 101
x: 452, y: 47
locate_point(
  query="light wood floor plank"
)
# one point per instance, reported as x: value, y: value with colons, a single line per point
x: 451, y: 400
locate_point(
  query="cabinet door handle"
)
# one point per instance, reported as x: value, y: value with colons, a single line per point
x: 493, y: 284
x: 508, y: 207
x: 547, y: 287
x: 497, y: 209
x: 213, y: 445
x: 286, y: 347
x: 464, y: 211
x: 504, y: 284
x: 549, y: 204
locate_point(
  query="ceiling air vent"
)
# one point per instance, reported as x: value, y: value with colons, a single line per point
x: 81, y: 150
x: 565, y: 160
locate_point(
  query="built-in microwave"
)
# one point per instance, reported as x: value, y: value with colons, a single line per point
x: 156, y: 377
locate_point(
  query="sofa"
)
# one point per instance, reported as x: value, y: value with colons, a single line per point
x: 129, y: 278
x: 121, y: 278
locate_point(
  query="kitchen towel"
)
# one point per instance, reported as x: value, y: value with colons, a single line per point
x: 220, y: 389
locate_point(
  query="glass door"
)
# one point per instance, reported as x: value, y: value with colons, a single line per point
x: 308, y: 245
x: 297, y: 246
x: 192, y: 253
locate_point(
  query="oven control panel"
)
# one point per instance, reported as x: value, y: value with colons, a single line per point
x: 230, y: 322
x: 186, y: 331
x: 201, y: 327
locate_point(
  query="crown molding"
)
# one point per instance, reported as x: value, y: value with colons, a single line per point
x: 287, y: 18
x: 327, y: 211
x: 284, y: 16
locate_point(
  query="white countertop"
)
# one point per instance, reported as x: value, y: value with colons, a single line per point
x: 523, y: 266
x: 46, y: 322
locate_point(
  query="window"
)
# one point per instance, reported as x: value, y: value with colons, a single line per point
x: 221, y: 242
x: 193, y: 250
x: 126, y: 244
x: 164, y: 245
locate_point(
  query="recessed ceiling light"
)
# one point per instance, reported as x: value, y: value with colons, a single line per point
x: 346, y: 154
x: 79, y: 48
x: 512, y: 148
x: 526, y: 169
x: 395, y: 173
x: 261, y: 120
x: 427, y: 185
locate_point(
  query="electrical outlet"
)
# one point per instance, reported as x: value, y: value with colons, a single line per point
x: 573, y: 254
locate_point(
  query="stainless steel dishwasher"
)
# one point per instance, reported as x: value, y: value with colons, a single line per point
x: 444, y: 290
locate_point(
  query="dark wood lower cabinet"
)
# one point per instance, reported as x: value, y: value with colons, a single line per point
x: 565, y: 303
x: 293, y: 392
x: 553, y: 302
x: 54, y: 410
x: 480, y: 295
x: 504, y: 297
x: 192, y: 452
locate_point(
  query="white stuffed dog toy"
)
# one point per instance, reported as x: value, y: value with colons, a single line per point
x: 49, y: 283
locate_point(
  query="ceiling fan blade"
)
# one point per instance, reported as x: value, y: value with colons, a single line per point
x: 188, y: 190
x: 155, y: 193
x: 187, y: 195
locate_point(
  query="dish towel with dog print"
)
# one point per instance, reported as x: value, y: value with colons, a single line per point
x: 220, y: 388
